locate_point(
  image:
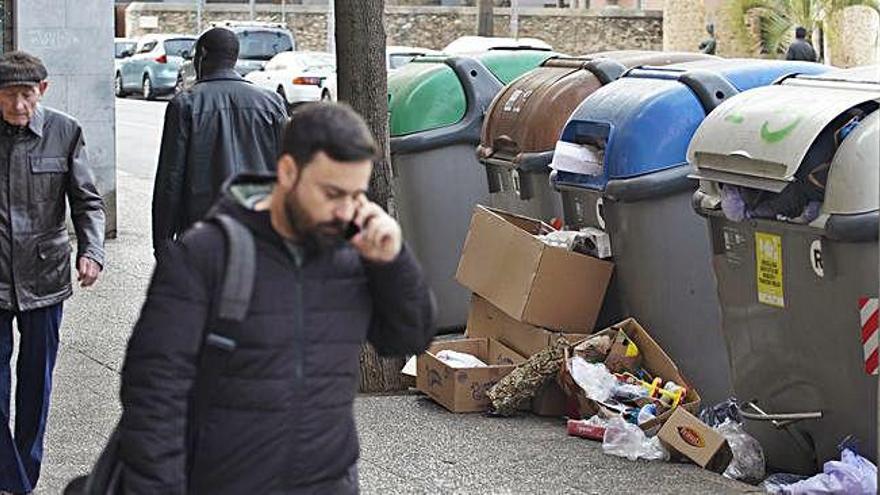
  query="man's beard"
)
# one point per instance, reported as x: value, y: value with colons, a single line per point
x: 319, y: 236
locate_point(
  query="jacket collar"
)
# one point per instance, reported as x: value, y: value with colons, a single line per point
x: 221, y: 75
x: 36, y: 123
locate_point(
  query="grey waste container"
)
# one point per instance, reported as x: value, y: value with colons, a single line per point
x: 798, y: 300
x: 436, y: 107
x: 621, y: 167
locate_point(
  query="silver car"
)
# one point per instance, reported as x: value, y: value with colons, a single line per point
x: 152, y: 69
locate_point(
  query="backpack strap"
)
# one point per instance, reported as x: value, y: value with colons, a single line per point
x: 229, y: 311
x: 238, y: 279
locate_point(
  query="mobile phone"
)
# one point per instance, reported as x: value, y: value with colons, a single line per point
x: 351, y: 231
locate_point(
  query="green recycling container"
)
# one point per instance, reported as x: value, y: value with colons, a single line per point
x: 436, y: 109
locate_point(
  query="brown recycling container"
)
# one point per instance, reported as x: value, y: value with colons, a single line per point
x: 525, y: 119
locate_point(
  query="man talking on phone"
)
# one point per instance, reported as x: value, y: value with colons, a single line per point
x: 331, y: 271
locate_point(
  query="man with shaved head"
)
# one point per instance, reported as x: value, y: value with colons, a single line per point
x: 222, y: 126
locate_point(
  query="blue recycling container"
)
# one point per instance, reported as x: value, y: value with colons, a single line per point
x: 621, y: 167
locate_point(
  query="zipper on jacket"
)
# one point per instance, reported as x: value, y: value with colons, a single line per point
x: 298, y: 330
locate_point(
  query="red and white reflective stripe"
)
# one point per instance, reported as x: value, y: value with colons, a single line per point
x: 870, y: 338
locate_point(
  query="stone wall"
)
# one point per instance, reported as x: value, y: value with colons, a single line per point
x: 684, y: 27
x: 857, y: 40
x: 569, y: 31
x: 74, y: 38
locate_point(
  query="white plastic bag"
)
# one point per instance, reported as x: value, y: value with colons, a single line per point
x: 457, y: 359
x: 851, y: 475
x: 748, y: 463
x: 595, y: 379
x: 628, y: 440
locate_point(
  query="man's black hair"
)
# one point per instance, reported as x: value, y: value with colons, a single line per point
x: 216, y: 49
x: 800, y: 33
x: 333, y: 128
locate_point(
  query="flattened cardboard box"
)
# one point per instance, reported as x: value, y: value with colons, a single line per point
x: 464, y: 389
x: 687, y: 435
x: 654, y: 360
x: 532, y: 282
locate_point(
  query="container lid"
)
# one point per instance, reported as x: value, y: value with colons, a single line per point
x: 507, y: 65
x: 865, y: 73
x: 760, y: 138
x: 855, y: 171
x: 651, y: 114
x: 528, y: 115
x: 426, y: 94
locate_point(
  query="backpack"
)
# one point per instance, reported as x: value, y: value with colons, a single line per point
x: 238, y: 282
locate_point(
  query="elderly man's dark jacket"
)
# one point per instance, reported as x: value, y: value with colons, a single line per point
x: 43, y: 169
x: 224, y: 125
x: 279, y: 419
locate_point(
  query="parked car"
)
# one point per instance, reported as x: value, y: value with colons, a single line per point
x: 123, y: 48
x: 478, y: 44
x: 258, y: 43
x: 153, y: 67
x: 398, y: 56
x: 299, y: 77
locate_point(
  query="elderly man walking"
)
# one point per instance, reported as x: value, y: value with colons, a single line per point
x: 43, y: 167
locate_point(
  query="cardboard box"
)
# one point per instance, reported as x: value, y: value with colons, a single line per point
x: 550, y: 401
x: 624, y: 355
x: 532, y: 282
x: 487, y: 321
x: 464, y: 389
x: 654, y: 360
x: 687, y: 435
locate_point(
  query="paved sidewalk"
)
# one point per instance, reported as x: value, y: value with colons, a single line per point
x: 410, y: 445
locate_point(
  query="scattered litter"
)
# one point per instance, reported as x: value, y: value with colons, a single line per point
x: 776, y: 483
x: 851, y: 475
x: 410, y: 368
x: 748, y: 463
x: 592, y: 429
x: 647, y: 413
x: 589, y: 241
x: 595, y: 349
x: 627, y: 440
x: 457, y: 359
x: 594, y: 379
x: 524, y: 382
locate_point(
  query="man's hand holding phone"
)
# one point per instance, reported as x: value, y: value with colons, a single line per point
x: 379, y: 239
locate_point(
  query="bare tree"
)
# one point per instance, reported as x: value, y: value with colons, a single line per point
x: 485, y: 18
x: 363, y: 84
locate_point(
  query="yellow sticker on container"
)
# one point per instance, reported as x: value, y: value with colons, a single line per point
x: 768, y: 253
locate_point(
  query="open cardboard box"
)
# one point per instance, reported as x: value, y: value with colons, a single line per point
x: 532, y: 282
x: 485, y: 320
x: 654, y: 360
x: 464, y: 389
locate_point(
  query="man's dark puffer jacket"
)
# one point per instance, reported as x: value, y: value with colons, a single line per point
x: 280, y: 420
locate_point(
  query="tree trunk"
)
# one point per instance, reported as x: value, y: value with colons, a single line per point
x: 362, y: 83
x: 485, y: 18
